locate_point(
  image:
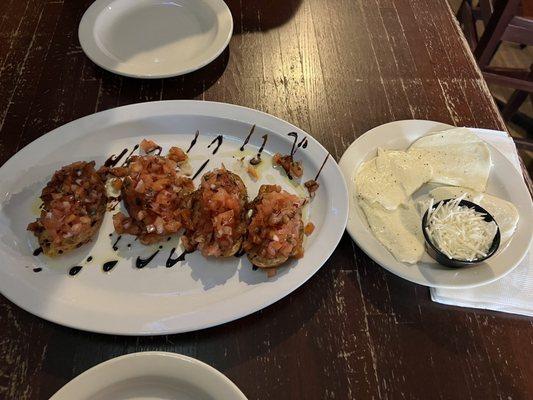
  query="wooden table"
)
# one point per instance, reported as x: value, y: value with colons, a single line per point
x: 335, y: 68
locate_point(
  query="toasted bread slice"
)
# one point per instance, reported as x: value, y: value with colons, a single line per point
x: 74, y: 204
x: 218, y: 215
x: 276, y: 229
x: 156, y: 197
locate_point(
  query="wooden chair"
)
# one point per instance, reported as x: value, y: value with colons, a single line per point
x: 504, y: 20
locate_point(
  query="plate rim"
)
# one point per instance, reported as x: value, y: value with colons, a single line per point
x: 85, y: 38
x: 183, y: 107
x: 148, y: 356
x: 353, y: 233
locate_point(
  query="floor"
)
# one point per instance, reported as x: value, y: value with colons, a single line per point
x: 511, y: 55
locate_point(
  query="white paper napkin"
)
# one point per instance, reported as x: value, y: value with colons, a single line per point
x: 514, y: 292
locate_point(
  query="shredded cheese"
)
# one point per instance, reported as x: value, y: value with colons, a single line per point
x: 460, y: 232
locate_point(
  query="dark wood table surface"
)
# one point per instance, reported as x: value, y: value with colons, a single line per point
x: 335, y: 68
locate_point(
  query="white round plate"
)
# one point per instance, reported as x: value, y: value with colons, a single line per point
x: 150, y: 375
x: 155, y: 38
x: 504, y: 181
x: 194, y: 294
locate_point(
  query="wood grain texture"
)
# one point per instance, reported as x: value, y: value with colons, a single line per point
x: 335, y: 68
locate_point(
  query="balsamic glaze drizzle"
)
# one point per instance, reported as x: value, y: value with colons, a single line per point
x: 193, y: 142
x: 322, y: 166
x: 38, y: 269
x: 218, y: 140
x: 172, y: 261
x: 200, y: 169
x: 37, y: 251
x: 303, y: 143
x: 293, y: 148
x: 115, y: 247
x: 247, y: 139
x: 108, y: 266
x: 141, y: 263
x: 257, y: 159
x: 265, y: 138
x: 157, y: 149
x: 74, y: 270
x: 113, y: 160
x: 129, y: 155
x: 114, y: 205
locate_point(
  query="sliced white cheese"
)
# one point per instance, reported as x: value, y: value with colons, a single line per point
x: 391, y: 178
x: 458, y: 157
x: 399, y: 230
x: 505, y: 213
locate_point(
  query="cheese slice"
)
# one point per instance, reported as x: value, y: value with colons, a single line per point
x: 399, y: 230
x: 391, y: 178
x: 457, y: 156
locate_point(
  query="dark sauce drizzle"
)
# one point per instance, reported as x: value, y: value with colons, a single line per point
x: 115, y: 247
x: 108, y: 266
x: 293, y: 148
x: 38, y: 269
x: 89, y: 259
x: 156, y: 150
x: 143, y: 262
x: 303, y: 143
x: 218, y: 140
x: 112, y: 206
x: 126, y: 161
x: 240, y: 253
x: 172, y: 261
x: 193, y: 142
x: 247, y: 139
x: 37, y: 251
x: 74, y: 270
x: 200, y: 169
x: 257, y: 159
x: 322, y: 166
x: 113, y: 160
x: 255, y: 267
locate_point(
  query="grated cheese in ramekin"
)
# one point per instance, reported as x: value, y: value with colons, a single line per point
x: 460, y: 232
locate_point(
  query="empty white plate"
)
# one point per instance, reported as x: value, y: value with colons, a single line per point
x: 155, y: 38
x: 150, y: 375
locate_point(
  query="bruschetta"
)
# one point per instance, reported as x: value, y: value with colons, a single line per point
x: 218, y: 215
x: 275, y: 231
x: 74, y: 204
